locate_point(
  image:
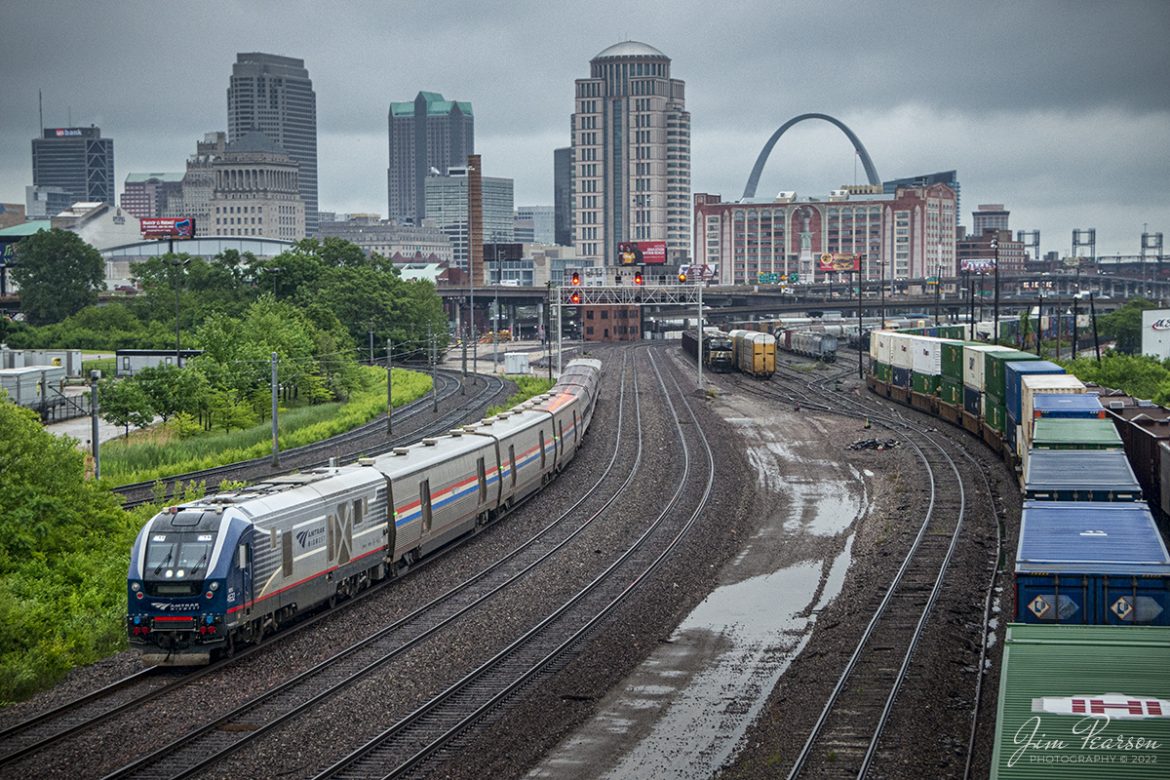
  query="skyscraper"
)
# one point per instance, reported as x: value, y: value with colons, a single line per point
x: 76, y: 159
x: 631, y: 155
x: 563, y: 195
x: 447, y: 204
x: 427, y: 137
x: 274, y: 95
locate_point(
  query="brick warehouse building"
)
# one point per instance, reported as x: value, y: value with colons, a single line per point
x: 611, y: 323
x: 907, y: 234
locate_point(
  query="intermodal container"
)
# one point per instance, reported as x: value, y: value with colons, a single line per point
x: 1014, y: 372
x: 994, y: 412
x: 1091, y: 562
x: 972, y: 400
x: 1035, y: 384
x: 950, y: 391
x: 926, y: 384
x: 995, y: 370
x: 1055, y: 433
x: 1080, y: 475
x: 883, y: 371
x: 879, y: 346
x: 1083, y: 703
x: 902, y: 352
x: 900, y: 377
x: 1069, y: 407
x: 952, y: 360
x: 974, y: 361
x: 926, y: 357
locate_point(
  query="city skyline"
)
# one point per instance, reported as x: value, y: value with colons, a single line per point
x: 1057, y: 110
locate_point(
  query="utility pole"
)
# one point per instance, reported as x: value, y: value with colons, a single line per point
x: 860, y: 284
x: 496, y: 310
x: 699, y: 329
x: 548, y: 326
x: 390, y: 387
x: 434, y: 393
x: 463, y: 384
x: 371, y: 347
x: 560, y: 316
x: 275, y: 429
x: 995, y: 250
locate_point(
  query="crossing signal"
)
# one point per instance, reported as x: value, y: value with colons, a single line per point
x: 638, y: 278
x: 682, y: 277
x: 576, y: 280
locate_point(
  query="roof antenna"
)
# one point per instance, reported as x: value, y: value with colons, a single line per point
x: 41, y: 111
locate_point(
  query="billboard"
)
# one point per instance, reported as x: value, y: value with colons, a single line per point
x: 839, y: 262
x: 641, y: 253
x: 1156, y: 333
x: 167, y: 227
x: 977, y: 265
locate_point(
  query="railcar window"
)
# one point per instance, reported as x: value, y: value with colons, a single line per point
x: 359, y: 510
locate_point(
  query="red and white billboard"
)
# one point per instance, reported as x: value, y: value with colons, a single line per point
x: 167, y: 227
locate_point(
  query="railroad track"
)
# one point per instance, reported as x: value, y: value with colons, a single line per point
x: 415, y: 744
x: 366, y: 440
x: 258, y: 717
x: 845, y: 741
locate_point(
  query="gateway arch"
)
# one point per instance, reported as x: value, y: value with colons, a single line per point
x: 753, y: 181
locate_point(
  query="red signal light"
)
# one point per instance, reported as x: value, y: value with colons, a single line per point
x: 638, y: 278
x: 575, y: 297
x: 576, y: 280
x: 682, y: 278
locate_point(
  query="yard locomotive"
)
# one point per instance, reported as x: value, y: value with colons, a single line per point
x: 717, y: 354
x: 231, y: 568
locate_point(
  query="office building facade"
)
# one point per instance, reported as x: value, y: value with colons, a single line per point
x: 256, y: 191
x: 428, y: 136
x: 398, y: 243
x: 447, y: 199
x: 76, y: 159
x: 631, y: 155
x: 151, y: 194
x: 563, y: 195
x: 905, y: 235
x: 989, y: 216
x: 274, y: 95
x: 534, y: 225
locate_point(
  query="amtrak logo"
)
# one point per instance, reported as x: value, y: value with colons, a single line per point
x: 1116, y: 706
x: 1162, y: 324
x: 163, y: 606
x: 310, y: 537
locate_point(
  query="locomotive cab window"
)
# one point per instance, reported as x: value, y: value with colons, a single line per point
x: 176, y: 562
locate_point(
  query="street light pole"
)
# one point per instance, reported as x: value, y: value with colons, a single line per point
x: 995, y: 251
x: 496, y: 310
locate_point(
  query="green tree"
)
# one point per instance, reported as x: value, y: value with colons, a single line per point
x: 124, y: 402
x: 58, y: 274
x: 1124, y: 326
x: 172, y: 390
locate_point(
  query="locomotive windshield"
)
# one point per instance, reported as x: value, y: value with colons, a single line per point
x: 176, y: 562
x: 719, y: 344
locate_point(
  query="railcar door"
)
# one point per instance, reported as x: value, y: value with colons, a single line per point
x: 240, y: 593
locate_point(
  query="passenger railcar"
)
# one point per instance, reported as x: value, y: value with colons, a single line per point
x: 230, y: 568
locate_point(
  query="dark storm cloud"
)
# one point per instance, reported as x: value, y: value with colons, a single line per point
x: 1058, y: 109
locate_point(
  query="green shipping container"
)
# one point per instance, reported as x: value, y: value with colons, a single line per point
x: 1081, y: 702
x: 1064, y: 433
x: 883, y: 371
x: 995, y: 373
x: 951, y: 392
x: 952, y: 360
x: 995, y: 412
x: 924, y: 383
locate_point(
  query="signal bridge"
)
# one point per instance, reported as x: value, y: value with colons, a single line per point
x: 628, y: 295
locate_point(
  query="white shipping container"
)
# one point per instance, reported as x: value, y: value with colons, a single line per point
x: 902, y: 351
x: 927, y: 355
x: 516, y: 363
x: 1032, y: 385
x: 973, y: 362
x: 879, y: 346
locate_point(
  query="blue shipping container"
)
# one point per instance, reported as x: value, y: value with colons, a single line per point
x: 1012, y: 384
x: 1064, y: 405
x: 901, y: 377
x: 972, y: 400
x: 1093, y: 563
x: 1080, y: 475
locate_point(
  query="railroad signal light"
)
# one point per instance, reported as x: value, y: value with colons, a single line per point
x: 682, y: 277
x: 574, y: 297
x: 576, y: 280
x: 638, y: 278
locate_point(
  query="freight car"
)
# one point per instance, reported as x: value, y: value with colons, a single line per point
x: 228, y: 569
x: 716, y: 348
x: 818, y: 345
x: 754, y: 353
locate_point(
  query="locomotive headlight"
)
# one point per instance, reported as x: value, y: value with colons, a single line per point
x: 135, y: 586
x: 169, y: 573
x: 214, y: 586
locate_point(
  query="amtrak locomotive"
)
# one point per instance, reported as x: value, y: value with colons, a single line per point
x: 229, y: 569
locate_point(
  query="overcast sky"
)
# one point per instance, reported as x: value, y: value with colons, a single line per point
x: 1059, y: 110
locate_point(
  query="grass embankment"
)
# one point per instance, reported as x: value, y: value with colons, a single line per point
x: 161, y: 453
x: 528, y: 387
x: 64, y: 541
